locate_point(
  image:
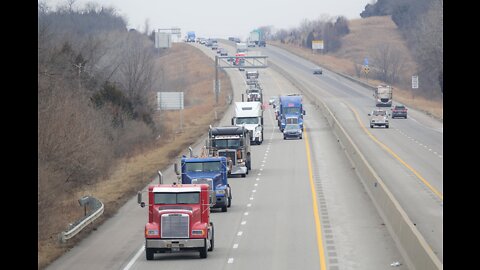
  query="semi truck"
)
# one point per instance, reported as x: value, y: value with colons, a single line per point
x: 233, y: 143
x: 205, y: 169
x: 242, y: 47
x: 250, y: 115
x: 254, y: 93
x: 291, y: 107
x: 191, y: 36
x: 178, y: 219
x: 255, y: 36
x: 383, y: 95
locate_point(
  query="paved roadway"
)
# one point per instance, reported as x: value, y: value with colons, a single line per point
x: 408, y: 156
x: 301, y: 207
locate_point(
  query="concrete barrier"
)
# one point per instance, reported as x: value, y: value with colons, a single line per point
x: 417, y: 253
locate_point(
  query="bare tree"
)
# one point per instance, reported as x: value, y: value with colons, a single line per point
x: 387, y: 62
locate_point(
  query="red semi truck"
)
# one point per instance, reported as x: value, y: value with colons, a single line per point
x: 178, y: 219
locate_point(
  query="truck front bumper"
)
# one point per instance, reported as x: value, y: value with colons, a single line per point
x: 239, y: 169
x: 174, y: 243
x: 221, y: 202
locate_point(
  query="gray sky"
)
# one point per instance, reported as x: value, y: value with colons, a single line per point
x: 224, y: 18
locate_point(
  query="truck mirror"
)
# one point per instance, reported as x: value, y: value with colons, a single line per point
x: 175, y: 166
x: 139, y: 199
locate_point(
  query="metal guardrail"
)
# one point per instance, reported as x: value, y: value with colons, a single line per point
x: 77, y: 226
x: 413, y: 247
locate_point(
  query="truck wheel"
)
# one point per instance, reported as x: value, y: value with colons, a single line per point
x: 149, y: 254
x: 203, y: 250
x: 212, y: 241
x: 243, y: 175
x: 229, y: 202
x: 371, y: 126
x: 386, y: 126
x: 224, y: 208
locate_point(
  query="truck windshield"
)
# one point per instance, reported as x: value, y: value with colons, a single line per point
x: 226, y: 143
x: 212, y: 166
x: 177, y: 198
x: 247, y: 120
x: 291, y: 110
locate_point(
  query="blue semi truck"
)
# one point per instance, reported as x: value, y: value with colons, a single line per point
x: 210, y: 170
x: 191, y: 36
x: 291, y: 111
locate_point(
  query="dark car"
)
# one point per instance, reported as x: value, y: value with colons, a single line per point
x: 317, y: 70
x: 399, y: 111
x: 292, y: 131
x: 262, y: 43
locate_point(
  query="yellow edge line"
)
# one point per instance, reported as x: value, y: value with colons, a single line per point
x: 321, y: 251
x: 439, y: 195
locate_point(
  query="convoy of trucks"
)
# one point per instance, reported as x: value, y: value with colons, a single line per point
x: 233, y: 143
x: 179, y: 213
x: 291, y: 111
x: 178, y: 219
x: 250, y: 115
x: 383, y: 95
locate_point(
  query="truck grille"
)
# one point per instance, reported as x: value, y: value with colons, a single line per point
x: 229, y: 154
x: 175, y: 226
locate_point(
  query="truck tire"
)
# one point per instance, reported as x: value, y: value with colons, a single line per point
x: 386, y: 126
x: 244, y: 175
x: 203, y: 250
x: 212, y: 241
x: 371, y: 126
x: 229, y: 201
x: 149, y: 254
x: 224, y: 208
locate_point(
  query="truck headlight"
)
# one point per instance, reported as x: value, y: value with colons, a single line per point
x: 220, y: 191
x: 151, y: 232
x: 198, y: 232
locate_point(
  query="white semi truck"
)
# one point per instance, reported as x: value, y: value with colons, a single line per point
x: 250, y: 115
x: 383, y: 96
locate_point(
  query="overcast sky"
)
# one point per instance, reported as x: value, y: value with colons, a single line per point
x: 225, y: 18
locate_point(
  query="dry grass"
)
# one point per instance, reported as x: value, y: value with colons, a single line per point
x: 133, y: 173
x: 364, y: 35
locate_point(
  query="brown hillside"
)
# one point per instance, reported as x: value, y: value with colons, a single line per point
x: 182, y: 68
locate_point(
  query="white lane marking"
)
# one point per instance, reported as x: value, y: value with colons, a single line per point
x: 243, y: 222
x: 230, y: 260
x: 259, y: 174
x: 256, y: 184
x: 132, y: 261
x: 249, y: 205
x: 254, y: 191
x: 246, y: 213
x: 261, y: 169
x: 235, y: 246
x: 239, y: 233
x: 257, y: 179
x: 251, y: 198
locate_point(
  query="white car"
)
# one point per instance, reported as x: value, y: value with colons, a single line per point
x: 379, y: 117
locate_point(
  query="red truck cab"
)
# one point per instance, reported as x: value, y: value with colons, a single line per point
x: 178, y: 219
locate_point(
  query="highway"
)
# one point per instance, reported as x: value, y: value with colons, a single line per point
x: 408, y: 156
x: 302, y: 206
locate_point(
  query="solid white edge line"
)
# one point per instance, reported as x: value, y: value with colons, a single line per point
x: 134, y: 259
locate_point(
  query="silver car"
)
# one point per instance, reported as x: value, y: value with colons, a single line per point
x: 379, y: 117
x: 292, y: 131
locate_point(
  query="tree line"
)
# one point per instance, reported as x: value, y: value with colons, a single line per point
x: 421, y: 23
x: 94, y: 96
